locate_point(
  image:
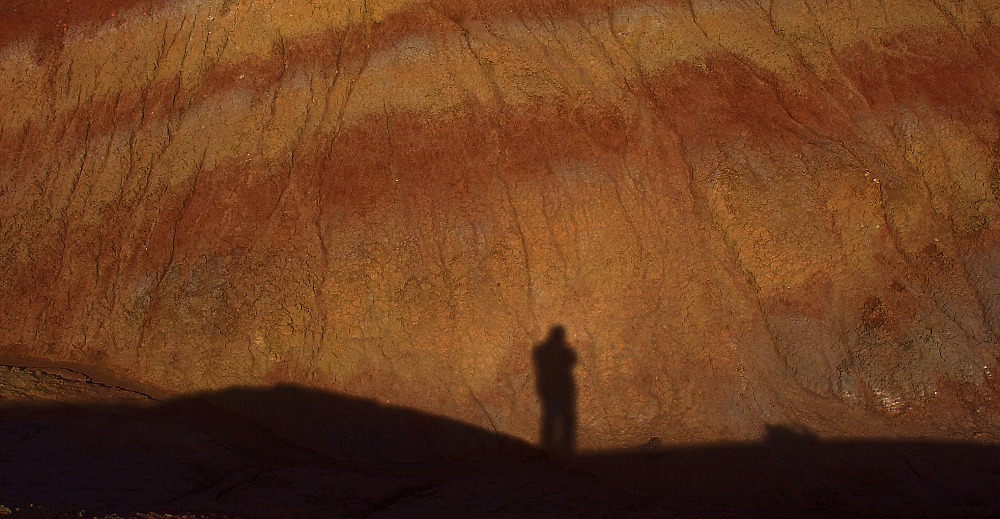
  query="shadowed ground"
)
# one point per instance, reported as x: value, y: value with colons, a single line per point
x: 356, y: 458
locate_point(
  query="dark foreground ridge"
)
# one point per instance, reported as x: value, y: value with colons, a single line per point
x: 356, y: 458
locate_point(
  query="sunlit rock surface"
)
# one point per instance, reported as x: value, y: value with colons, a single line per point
x: 741, y: 212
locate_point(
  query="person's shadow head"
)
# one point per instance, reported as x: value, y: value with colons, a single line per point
x: 554, y: 361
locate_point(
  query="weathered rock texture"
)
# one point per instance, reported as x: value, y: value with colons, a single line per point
x: 743, y: 212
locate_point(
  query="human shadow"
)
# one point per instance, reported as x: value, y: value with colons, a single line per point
x: 554, y: 361
x: 291, y: 451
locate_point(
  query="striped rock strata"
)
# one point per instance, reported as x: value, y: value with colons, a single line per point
x: 742, y: 213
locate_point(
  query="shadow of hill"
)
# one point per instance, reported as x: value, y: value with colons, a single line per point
x: 325, y: 455
x: 357, y: 429
x: 150, y: 455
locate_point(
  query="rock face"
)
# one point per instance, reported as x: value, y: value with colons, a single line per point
x: 740, y: 212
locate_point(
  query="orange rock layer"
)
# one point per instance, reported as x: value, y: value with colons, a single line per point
x: 741, y: 214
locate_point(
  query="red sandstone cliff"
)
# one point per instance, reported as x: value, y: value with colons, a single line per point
x: 741, y: 212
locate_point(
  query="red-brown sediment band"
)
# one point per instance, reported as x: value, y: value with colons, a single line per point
x: 28, y: 20
x: 722, y: 98
x: 51, y: 19
x: 944, y: 61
